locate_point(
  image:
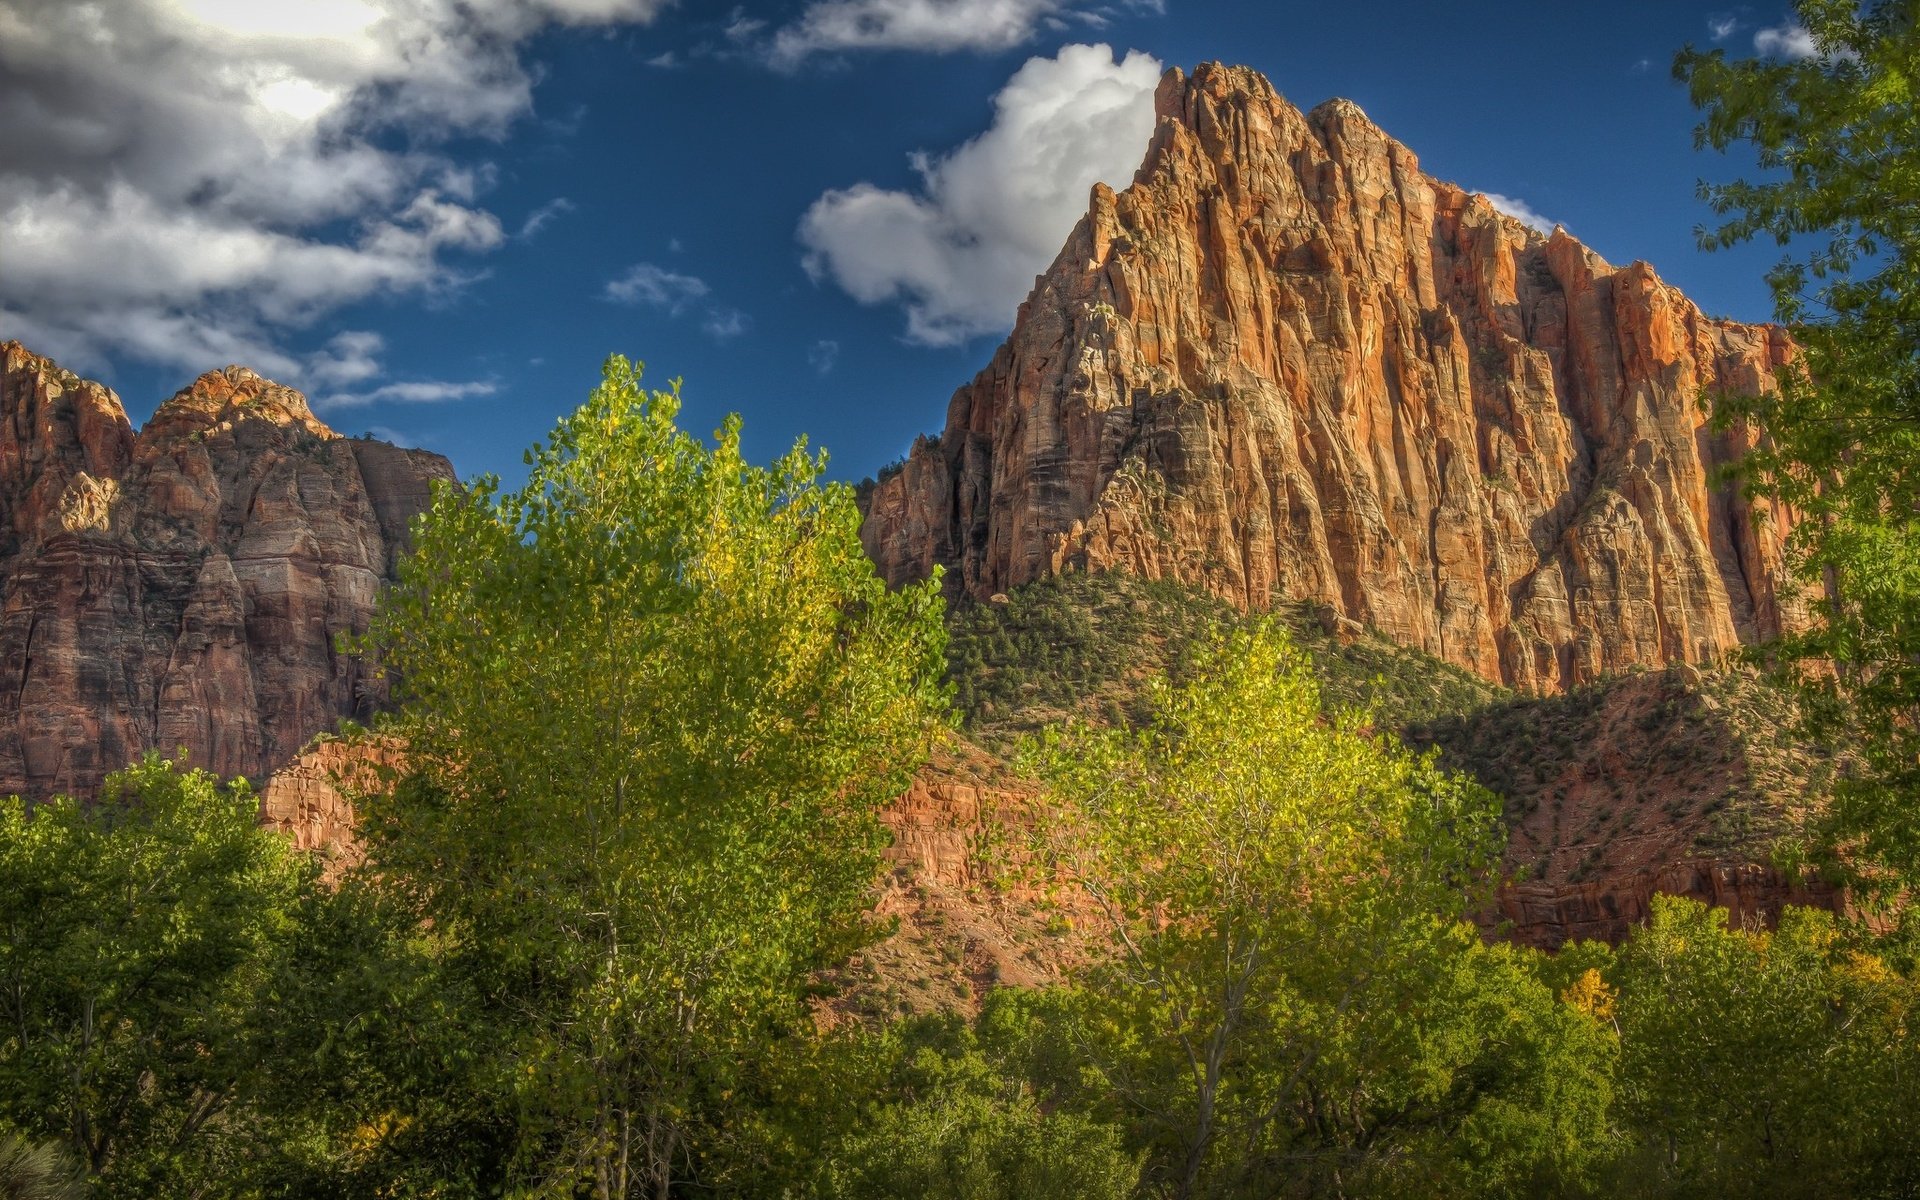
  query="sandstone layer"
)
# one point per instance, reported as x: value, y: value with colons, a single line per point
x: 1607, y: 909
x: 185, y: 586
x: 309, y: 799
x: 1286, y: 363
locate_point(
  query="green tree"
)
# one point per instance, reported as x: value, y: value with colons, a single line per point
x: 932, y: 1106
x: 965, y: 1145
x: 1294, y: 1005
x: 139, y: 938
x: 653, y: 699
x: 1763, y: 1064
x: 375, y: 1083
x: 1837, y: 136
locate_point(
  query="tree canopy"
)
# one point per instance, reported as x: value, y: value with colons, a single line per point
x: 141, y: 939
x: 1836, y: 136
x: 653, y: 699
x: 1292, y: 994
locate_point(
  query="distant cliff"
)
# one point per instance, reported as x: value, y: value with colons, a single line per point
x: 1287, y: 363
x: 183, y: 586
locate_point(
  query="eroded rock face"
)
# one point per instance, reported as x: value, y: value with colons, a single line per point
x: 1549, y: 915
x: 309, y: 799
x: 183, y: 587
x: 1287, y: 363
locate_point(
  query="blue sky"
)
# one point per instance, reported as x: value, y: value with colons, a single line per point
x: 438, y: 218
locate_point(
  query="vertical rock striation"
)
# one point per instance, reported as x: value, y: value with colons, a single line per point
x: 183, y: 587
x: 1287, y: 363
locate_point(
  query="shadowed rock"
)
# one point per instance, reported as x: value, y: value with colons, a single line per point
x: 185, y: 586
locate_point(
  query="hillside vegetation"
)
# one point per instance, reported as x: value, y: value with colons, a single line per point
x: 1081, y: 645
x: 1617, y: 775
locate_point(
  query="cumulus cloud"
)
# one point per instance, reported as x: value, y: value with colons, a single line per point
x: 231, y: 170
x: 961, y: 251
x: 645, y: 285
x: 1792, y: 40
x: 1520, y: 211
x: 353, y: 356
x: 1722, y: 26
x: 722, y: 324
x: 1789, y: 39
x: 934, y: 26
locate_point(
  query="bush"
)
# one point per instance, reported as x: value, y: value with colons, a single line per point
x: 968, y: 1146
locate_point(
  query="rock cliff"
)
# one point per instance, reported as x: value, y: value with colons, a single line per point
x: 310, y: 798
x: 183, y: 586
x: 1287, y: 363
x: 1549, y: 915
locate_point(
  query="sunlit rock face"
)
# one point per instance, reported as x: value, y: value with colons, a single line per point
x: 183, y: 587
x: 1285, y: 362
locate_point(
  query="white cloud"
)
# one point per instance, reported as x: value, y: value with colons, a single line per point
x: 961, y: 251
x: 1520, y: 211
x: 429, y: 391
x: 232, y: 170
x: 544, y: 216
x: 655, y: 287
x: 645, y: 285
x: 741, y: 28
x: 822, y: 356
x: 1722, y: 26
x: 1790, y: 39
x: 934, y: 25
x: 352, y: 356
x: 723, y: 324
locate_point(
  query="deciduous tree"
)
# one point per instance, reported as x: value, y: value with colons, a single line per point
x: 1294, y: 1006
x: 140, y: 936
x: 1837, y: 137
x: 653, y: 699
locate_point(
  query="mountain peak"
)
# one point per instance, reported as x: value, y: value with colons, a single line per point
x: 233, y: 392
x: 200, y: 572
x: 1179, y: 94
x: 1287, y: 363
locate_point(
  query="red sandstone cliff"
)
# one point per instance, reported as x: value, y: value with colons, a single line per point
x: 183, y: 586
x: 1287, y: 363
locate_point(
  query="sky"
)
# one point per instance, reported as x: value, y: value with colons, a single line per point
x: 438, y: 217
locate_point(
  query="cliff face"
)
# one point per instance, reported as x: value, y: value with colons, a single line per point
x: 183, y: 587
x: 1287, y: 363
x: 1548, y: 916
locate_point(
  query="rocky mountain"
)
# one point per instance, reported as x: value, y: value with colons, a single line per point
x: 183, y: 586
x: 1286, y: 363
x: 1285, y: 367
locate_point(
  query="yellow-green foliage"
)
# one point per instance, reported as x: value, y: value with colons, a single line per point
x: 1836, y: 136
x: 140, y: 940
x: 652, y: 700
x: 1294, y: 1005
